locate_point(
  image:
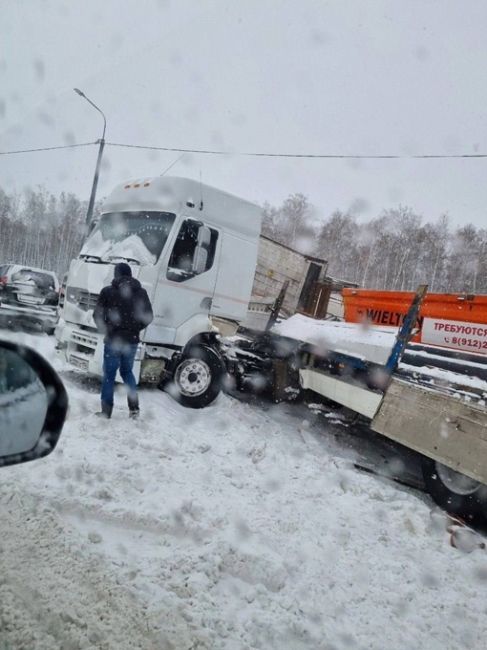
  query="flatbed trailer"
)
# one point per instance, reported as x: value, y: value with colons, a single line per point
x: 445, y: 422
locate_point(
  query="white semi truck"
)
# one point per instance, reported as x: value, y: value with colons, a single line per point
x: 194, y: 249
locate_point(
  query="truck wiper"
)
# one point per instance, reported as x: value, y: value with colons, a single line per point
x: 123, y: 257
x: 92, y: 258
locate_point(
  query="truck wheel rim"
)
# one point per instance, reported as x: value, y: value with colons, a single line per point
x: 193, y: 376
x: 455, y: 481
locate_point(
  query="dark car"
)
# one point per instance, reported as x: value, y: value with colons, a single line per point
x: 28, y: 297
x: 62, y: 292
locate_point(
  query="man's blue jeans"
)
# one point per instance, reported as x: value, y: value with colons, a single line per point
x: 118, y: 356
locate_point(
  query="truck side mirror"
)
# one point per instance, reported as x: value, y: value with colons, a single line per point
x: 200, y: 256
x: 33, y: 405
x: 204, y: 237
x: 200, y: 259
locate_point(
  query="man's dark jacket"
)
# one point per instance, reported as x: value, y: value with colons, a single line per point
x: 123, y: 310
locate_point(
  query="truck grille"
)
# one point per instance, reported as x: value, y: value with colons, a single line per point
x: 87, y: 341
x: 82, y: 298
x: 87, y: 300
x: 82, y: 346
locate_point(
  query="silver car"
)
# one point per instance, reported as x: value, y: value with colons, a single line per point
x: 28, y: 297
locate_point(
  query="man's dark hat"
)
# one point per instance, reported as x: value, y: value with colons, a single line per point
x: 122, y: 270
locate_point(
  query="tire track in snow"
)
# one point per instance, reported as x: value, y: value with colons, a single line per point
x: 54, y: 594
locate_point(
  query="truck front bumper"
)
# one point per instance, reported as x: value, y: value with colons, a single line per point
x: 83, y: 349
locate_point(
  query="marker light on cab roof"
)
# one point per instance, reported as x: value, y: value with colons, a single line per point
x: 138, y: 184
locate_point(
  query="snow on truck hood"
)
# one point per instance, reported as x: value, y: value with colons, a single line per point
x: 131, y: 247
x: 372, y: 344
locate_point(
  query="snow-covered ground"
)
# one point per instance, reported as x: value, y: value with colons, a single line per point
x: 235, y: 527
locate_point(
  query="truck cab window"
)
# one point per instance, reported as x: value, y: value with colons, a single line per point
x: 193, y: 252
x: 139, y: 236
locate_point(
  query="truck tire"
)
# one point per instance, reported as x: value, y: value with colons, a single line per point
x: 456, y: 493
x: 197, y: 377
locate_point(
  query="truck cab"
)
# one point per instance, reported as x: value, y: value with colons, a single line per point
x: 194, y: 250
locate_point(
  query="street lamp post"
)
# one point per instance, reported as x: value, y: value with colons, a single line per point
x: 101, y: 142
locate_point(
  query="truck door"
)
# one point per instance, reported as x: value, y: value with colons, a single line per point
x: 236, y: 271
x: 187, y: 281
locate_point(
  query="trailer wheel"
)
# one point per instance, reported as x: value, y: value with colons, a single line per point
x: 197, y: 377
x: 457, y: 493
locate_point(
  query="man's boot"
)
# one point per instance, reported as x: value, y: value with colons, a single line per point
x: 106, y: 411
x: 133, y: 402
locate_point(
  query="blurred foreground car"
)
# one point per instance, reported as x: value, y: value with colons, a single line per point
x: 28, y: 297
x: 33, y: 405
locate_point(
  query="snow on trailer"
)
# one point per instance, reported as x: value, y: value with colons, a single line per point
x: 368, y: 343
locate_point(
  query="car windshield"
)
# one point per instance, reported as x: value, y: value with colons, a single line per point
x: 129, y: 236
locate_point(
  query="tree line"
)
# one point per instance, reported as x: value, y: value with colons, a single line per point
x: 40, y: 229
x: 396, y: 250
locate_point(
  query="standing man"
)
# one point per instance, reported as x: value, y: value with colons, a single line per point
x: 122, y: 311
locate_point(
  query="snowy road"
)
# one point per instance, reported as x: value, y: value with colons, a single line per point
x: 235, y: 527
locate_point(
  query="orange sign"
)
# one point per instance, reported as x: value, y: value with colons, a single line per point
x: 445, y: 319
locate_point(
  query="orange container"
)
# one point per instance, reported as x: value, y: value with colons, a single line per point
x: 457, y: 321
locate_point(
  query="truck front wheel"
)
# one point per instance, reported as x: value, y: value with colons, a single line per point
x: 457, y: 493
x: 197, y: 377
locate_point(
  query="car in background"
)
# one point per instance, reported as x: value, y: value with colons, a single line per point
x: 28, y: 297
x: 62, y: 292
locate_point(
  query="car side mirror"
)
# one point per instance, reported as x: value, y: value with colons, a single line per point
x: 33, y: 405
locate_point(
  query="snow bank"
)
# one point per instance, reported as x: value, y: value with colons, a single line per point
x: 53, y: 595
x: 368, y: 343
x: 232, y: 528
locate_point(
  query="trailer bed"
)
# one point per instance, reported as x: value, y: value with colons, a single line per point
x: 435, y: 423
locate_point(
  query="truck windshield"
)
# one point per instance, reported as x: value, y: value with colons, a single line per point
x: 134, y: 236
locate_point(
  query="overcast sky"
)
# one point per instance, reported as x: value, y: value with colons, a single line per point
x: 341, y: 77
